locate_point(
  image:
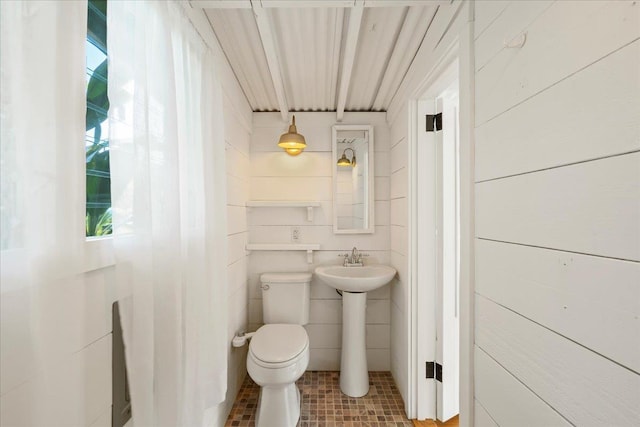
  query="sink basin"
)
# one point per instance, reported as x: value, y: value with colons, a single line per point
x: 356, y: 279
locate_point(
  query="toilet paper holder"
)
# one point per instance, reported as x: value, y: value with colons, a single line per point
x: 241, y: 338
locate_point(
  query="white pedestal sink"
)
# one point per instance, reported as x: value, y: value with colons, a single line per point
x: 354, y: 282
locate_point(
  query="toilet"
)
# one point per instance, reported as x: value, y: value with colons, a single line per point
x: 279, y: 351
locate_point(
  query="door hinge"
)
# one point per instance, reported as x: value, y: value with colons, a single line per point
x: 434, y: 370
x: 431, y: 367
x: 434, y: 122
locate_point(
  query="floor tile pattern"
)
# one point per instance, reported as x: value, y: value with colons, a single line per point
x: 324, y: 405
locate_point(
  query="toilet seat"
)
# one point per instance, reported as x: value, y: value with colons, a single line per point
x: 278, y: 345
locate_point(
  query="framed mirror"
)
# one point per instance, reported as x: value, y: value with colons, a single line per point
x: 353, y: 177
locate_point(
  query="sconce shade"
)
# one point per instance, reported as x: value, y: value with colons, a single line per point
x: 343, y: 161
x: 292, y: 142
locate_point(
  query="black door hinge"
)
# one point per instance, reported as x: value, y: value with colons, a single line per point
x: 434, y: 122
x: 434, y: 370
x: 431, y: 369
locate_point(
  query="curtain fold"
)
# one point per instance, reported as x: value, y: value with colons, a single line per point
x: 169, y: 211
x: 42, y: 212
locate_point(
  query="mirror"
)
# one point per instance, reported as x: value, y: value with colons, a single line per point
x: 353, y: 178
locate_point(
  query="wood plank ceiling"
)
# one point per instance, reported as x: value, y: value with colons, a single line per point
x: 319, y: 55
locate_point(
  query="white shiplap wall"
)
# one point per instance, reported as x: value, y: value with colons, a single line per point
x: 71, y: 385
x: 400, y: 304
x: 277, y: 176
x: 237, y: 138
x: 557, y: 214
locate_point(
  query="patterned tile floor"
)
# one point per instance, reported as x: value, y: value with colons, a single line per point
x: 324, y: 405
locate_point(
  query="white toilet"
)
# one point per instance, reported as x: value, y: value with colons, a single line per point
x: 279, y: 350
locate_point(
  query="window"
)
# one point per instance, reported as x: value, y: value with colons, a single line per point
x: 98, y: 214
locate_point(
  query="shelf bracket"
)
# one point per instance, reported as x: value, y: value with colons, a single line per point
x: 309, y: 256
x: 309, y: 213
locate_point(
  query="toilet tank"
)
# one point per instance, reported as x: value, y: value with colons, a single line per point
x: 285, y: 297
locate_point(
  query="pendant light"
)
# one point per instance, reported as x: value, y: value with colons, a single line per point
x: 344, y: 161
x: 292, y: 142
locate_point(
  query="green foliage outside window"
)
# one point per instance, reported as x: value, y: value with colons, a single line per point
x: 98, y: 214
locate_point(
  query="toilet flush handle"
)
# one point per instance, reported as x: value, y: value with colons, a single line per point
x: 264, y: 287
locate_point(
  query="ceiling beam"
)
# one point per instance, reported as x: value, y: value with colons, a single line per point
x: 415, y: 24
x: 220, y: 4
x: 353, y: 30
x: 404, y: 3
x: 306, y: 3
x: 334, y: 67
x: 269, y: 46
x: 246, y: 4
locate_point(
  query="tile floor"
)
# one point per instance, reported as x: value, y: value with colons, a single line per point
x: 324, y: 405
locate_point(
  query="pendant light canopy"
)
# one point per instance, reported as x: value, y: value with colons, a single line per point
x: 292, y: 142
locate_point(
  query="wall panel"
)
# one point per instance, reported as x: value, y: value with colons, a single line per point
x: 591, y: 300
x: 568, y: 123
x: 590, y: 208
x: 508, y: 401
x: 583, y: 386
x: 569, y: 35
x: 557, y: 207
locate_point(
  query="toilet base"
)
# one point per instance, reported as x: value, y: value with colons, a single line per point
x: 279, y: 406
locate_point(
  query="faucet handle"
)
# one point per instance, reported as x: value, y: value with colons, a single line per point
x: 359, y: 257
x: 346, y: 259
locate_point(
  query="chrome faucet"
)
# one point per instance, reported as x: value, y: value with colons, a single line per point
x: 355, y: 260
x: 355, y: 256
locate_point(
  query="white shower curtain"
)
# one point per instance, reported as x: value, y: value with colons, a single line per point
x: 169, y: 211
x: 42, y: 224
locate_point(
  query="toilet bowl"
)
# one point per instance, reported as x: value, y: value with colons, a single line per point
x: 278, y: 356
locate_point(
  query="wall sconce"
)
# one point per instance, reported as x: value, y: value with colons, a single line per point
x: 343, y: 161
x: 292, y: 142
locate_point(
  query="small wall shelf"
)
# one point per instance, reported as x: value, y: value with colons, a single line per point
x: 285, y: 204
x: 308, y: 247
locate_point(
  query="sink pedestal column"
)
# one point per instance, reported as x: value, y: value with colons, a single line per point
x: 354, y: 377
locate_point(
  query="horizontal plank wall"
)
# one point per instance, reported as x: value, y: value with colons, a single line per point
x: 274, y: 175
x: 400, y: 304
x: 557, y: 213
x: 237, y: 138
x: 72, y: 385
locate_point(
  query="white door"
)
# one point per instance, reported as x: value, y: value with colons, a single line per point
x: 437, y: 261
x: 447, y: 257
x: 425, y: 261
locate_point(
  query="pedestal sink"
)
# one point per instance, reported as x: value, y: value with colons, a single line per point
x: 354, y: 282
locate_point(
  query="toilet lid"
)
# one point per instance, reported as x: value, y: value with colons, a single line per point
x: 277, y: 343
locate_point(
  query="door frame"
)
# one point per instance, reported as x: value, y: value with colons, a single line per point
x: 421, y: 401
